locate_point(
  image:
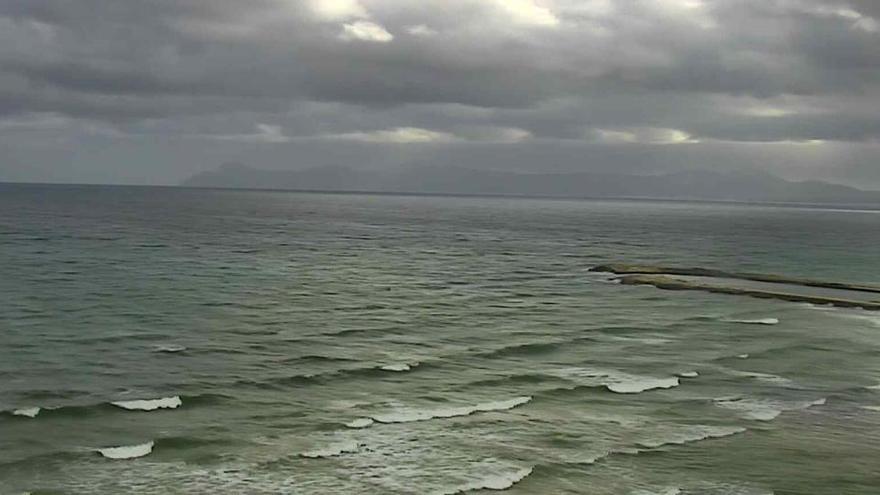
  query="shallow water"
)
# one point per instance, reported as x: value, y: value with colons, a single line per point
x: 785, y: 288
x: 404, y: 344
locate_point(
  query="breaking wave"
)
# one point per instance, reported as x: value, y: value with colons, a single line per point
x: 639, y: 385
x: 398, y: 367
x: 150, y: 404
x: 333, y: 450
x: 360, y: 423
x: 493, y: 481
x: 410, y: 416
x: 28, y: 412
x: 692, y: 434
x: 169, y: 348
x: 695, y: 434
x: 762, y: 377
x: 614, y: 381
x: 763, y: 410
x: 756, y: 321
x: 127, y: 451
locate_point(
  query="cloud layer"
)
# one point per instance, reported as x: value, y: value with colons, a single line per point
x: 792, y: 86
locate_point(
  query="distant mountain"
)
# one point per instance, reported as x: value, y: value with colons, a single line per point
x: 698, y: 185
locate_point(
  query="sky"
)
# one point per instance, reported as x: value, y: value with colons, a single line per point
x: 153, y: 91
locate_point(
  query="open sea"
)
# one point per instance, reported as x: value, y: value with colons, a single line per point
x: 180, y: 341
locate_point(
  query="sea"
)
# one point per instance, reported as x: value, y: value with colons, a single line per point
x: 185, y: 341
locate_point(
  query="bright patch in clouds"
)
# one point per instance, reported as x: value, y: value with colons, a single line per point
x: 527, y: 12
x: 420, y: 30
x: 365, y: 31
x: 768, y: 112
x: 397, y: 135
x: 497, y: 135
x: 338, y: 10
x: 859, y: 21
x: 644, y: 135
x: 682, y: 4
x: 266, y: 133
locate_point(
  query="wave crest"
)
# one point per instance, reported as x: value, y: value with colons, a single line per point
x: 127, y: 451
x: 28, y: 412
x: 614, y: 381
x: 334, y: 450
x: 150, y: 404
x: 763, y: 410
x: 755, y: 321
x: 639, y: 385
x: 360, y: 423
x: 410, y: 416
x: 493, y: 481
x: 694, y: 434
x: 399, y: 367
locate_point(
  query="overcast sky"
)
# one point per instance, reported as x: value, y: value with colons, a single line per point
x: 152, y: 91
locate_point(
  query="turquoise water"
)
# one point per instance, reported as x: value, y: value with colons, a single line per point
x: 405, y: 344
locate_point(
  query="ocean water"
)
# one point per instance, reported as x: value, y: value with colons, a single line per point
x: 160, y: 340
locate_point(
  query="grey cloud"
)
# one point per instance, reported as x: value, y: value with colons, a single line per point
x: 157, y: 69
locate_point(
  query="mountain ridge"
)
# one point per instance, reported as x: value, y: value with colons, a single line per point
x: 752, y: 186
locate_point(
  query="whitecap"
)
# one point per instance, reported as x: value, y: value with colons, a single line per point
x: 694, y: 433
x: 409, y: 416
x: 493, y: 481
x: 756, y: 321
x: 762, y: 377
x: 30, y: 412
x: 873, y: 387
x: 872, y: 408
x: 398, y: 367
x: 359, y: 423
x: 334, y: 450
x: 751, y: 409
x: 688, y: 374
x: 764, y: 410
x: 127, y: 452
x: 169, y: 348
x: 662, y: 491
x: 743, y: 356
x: 614, y: 381
x: 637, y: 385
x: 150, y: 404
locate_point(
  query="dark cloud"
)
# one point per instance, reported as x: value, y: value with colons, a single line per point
x: 619, y: 78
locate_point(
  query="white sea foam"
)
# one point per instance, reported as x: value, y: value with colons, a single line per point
x: 30, y: 412
x: 614, y: 381
x: 127, y: 452
x: 763, y: 410
x: 821, y: 307
x: 662, y: 491
x: 688, y: 374
x: 360, y: 423
x: 756, y: 321
x: 635, y: 385
x: 170, y: 348
x: 873, y: 387
x: 763, y: 377
x: 333, y: 450
x: 694, y: 433
x: 150, y: 404
x: 743, y: 356
x: 493, y: 481
x: 398, y: 367
x: 409, y: 416
x: 872, y: 408
x: 751, y: 409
